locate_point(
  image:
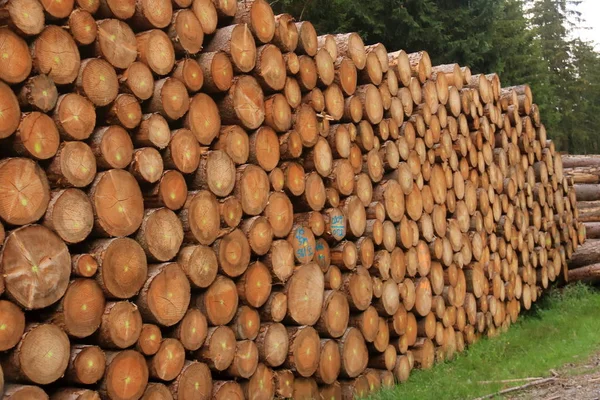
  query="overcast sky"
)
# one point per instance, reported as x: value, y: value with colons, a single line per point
x: 590, y: 10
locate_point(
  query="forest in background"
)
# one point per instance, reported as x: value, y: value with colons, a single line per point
x: 524, y: 41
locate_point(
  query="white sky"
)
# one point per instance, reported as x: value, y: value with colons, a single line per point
x: 590, y: 10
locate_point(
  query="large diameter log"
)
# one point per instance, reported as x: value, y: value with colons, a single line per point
x: 354, y: 353
x: 98, y: 81
x: 304, y: 350
x: 73, y: 166
x: 24, y: 191
x: 36, y: 265
x: 74, y: 116
x: 11, y: 115
x: 47, y: 344
x: 118, y: 203
x: 160, y: 234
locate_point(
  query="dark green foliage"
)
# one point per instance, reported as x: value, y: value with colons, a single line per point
x: 524, y: 41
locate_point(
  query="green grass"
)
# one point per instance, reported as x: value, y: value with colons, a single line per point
x: 563, y: 328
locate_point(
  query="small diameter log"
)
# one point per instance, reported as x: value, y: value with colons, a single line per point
x: 233, y: 253
x: 83, y: 265
x: 170, y: 192
x: 203, y: 118
x: 160, y: 234
x: 270, y: 67
x: 170, y: 99
x: 97, y: 80
x: 245, y: 362
x: 351, y: 45
x: 199, y: 264
x: 112, y: 147
x: 272, y: 343
x: 83, y: 27
x: 18, y: 392
x: 121, y: 325
x: 39, y: 92
x: 334, y: 315
x: 354, y: 353
x: 304, y: 350
x: 168, y: 361
x: 70, y: 215
x: 194, y: 382
x: 346, y: 75
x: 280, y: 260
x: 124, y: 217
x: 200, y: 217
x: 35, y: 257
x: 183, y: 152
x: 123, y: 266
x: 74, y: 116
x: 137, y: 79
x: 165, y: 296
x: 37, y: 340
x: 191, y: 330
x: 259, y: 16
x: 217, y: 70
x: 372, y: 102
x: 206, y: 13
x: 79, y: 312
x: 254, y: 287
x: 238, y: 43
x: 244, y: 104
x: 218, y: 350
x: 358, y: 288
x: 189, y: 72
x: 307, y: 39
x: 252, y: 188
x: 146, y: 165
x: 261, y: 385
x: 36, y: 137
x: 125, y: 110
x: 156, y: 390
x: 152, y: 14
x: 13, y: 320
x: 126, y: 375
x: 24, y: 17
x: 154, y: 48
x: 279, y: 213
x: 219, y: 302
x: 286, y: 33
x: 86, y: 365
x: 73, y: 166
x: 11, y: 116
x: 329, y: 362
x: 246, y: 323
x: 15, y: 63
x: 149, y: 340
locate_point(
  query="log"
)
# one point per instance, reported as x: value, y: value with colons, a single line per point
x: 259, y: 17
x: 218, y: 350
x: 238, y: 43
x: 126, y: 375
x: 24, y: 17
x: 48, y: 369
x: 307, y: 39
x: 149, y: 340
x: 168, y: 361
x: 137, y: 79
x: 36, y: 137
x: 121, y: 325
x: 38, y: 92
x: 184, y: 386
x: 86, y: 365
x: 286, y: 35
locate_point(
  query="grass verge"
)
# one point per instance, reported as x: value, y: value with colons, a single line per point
x: 564, y: 327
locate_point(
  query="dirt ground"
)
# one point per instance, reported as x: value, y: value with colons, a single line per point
x: 575, y: 381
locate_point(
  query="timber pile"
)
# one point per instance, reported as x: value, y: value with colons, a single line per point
x: 202, y: 199
x: 583, y: 173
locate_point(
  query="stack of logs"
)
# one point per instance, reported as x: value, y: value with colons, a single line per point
x: 205, y: 200
x: 583, y: 173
